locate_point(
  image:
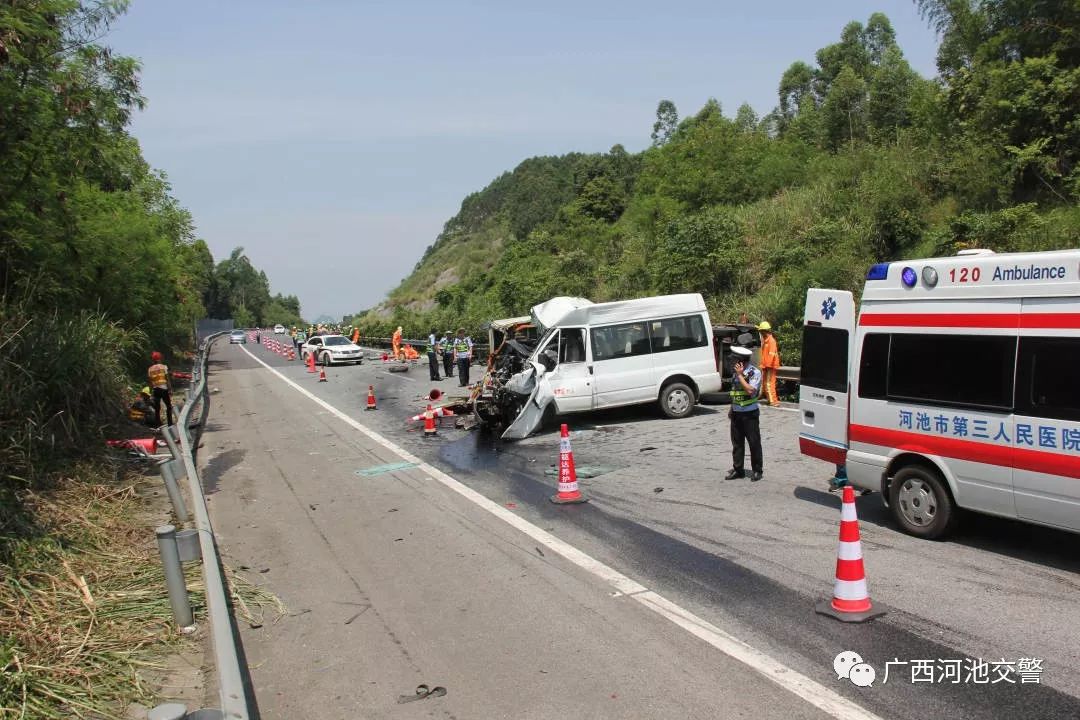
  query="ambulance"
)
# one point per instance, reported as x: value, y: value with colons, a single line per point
x: 955, y: 386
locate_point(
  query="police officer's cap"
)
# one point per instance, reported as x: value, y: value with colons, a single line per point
x: 741, y: 352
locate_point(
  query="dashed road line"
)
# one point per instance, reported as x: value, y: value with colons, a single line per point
x: 814, y: 693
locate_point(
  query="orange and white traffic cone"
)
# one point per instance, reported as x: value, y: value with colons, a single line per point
x: 429, y: 423
x: 568, y: 485
x: 322, y: 374
x: 851, y: 599
x: 371, y: 398
x: 311, y: 363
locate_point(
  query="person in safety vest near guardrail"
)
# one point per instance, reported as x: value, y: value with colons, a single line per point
x: 744, y: 416
x: 433, y: 351
x: 142, y: 409
x: 463, y: 349
x: 160, y: 387
x: 770, y: 362
x: 447, y: 344
x: 395, y: 343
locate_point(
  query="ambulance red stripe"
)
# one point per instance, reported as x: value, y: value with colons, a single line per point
x: 986, y: 453
x: 1011, y: 321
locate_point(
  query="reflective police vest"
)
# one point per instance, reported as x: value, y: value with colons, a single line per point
x: 739, y: 396
x: 461, y: 345
x: 431, y: 343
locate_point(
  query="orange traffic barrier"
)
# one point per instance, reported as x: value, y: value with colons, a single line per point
x: 371, y: 398
x: 568, y: 492
x: 851, y: 599
x: 429, y: 423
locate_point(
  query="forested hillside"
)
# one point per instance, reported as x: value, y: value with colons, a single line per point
x: 99, y: 264
x: 862, y: 160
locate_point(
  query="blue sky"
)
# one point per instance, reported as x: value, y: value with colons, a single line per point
x: 332, y: 139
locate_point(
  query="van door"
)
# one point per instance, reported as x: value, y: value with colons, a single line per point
x: 1046, y: 469
x: 828, y: 340
x: 571, y: 380
x: 622, y: 364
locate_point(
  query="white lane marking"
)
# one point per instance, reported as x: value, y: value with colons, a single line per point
x: 814, y: 693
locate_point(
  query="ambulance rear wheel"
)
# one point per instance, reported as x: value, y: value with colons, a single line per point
x: 921, y: 504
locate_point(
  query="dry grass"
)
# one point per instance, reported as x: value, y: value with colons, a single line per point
x: 83, y: 606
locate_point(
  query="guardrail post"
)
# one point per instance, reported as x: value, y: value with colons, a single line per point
x: 174, y: 578
x: 172, y: 487
x: 167, y: 433
x: 168, y: 711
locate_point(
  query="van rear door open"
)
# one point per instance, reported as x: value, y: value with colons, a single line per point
x: 828, y: 342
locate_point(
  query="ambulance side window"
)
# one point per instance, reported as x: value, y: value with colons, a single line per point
x: 1048, y: 384
x: 874, y: 366
x: 923, y: 368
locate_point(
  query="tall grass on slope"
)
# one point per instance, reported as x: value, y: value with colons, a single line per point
x: 64, y: 380
x: 83, y: 604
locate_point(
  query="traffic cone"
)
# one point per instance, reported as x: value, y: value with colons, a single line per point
x: 311, y: 363
x: 371, y: 398
x: 429, y: 423
x: 568, y: 486
x: 850, y: 600
x: 322, y: 374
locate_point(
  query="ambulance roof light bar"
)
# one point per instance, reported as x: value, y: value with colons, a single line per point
x: 974, y: 252
x: 878, y: 272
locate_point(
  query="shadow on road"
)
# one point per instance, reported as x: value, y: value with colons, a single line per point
x: 1011, y: 538
x: 218, y: 466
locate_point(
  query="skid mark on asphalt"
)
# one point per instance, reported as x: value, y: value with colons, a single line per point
x: 812, y: 692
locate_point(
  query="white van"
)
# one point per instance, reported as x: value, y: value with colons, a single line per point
x: 955, y: 387
x: 605, y: 355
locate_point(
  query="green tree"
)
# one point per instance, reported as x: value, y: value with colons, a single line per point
x: 844, y: 110
x: 667, y: 120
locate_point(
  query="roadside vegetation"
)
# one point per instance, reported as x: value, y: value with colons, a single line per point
x: 861, y: 161
x: 99, y: 264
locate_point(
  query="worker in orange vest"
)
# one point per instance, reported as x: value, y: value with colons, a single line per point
x: 770, y: 362
x: 160, y: 386
x: 395, y: 343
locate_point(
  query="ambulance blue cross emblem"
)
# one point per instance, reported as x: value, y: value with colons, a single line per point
x: 828, y: 308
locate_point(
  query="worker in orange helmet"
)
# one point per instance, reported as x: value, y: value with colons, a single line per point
x: 395, y: 342
x: 160, y: 386
x: 770, y: 362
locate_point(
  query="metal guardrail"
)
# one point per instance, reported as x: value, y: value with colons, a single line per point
x: 788, y: 372
x: 231, y: 687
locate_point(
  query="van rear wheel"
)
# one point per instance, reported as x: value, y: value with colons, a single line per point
x: 921, y: 504
x: 677, y: 400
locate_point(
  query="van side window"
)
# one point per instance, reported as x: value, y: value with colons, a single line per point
x: 874, y: 366
x: 964, y: 370
x: 1048, y: 385
x: 620, y: 341
x: 825, y: 358
x: 680, y: 333
x: 572, y: 346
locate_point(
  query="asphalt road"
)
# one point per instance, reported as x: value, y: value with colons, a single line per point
x: 463, y: 595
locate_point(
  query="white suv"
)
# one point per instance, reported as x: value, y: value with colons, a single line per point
x: 330, y: 349
x: 279, y: 329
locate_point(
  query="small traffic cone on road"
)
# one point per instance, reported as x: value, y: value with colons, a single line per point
x: 429, y: 423
x: 371, y: 398
x: 322, y: 374
x: 311, y: 363
x: 568, y: 485
x: 850, y: 600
